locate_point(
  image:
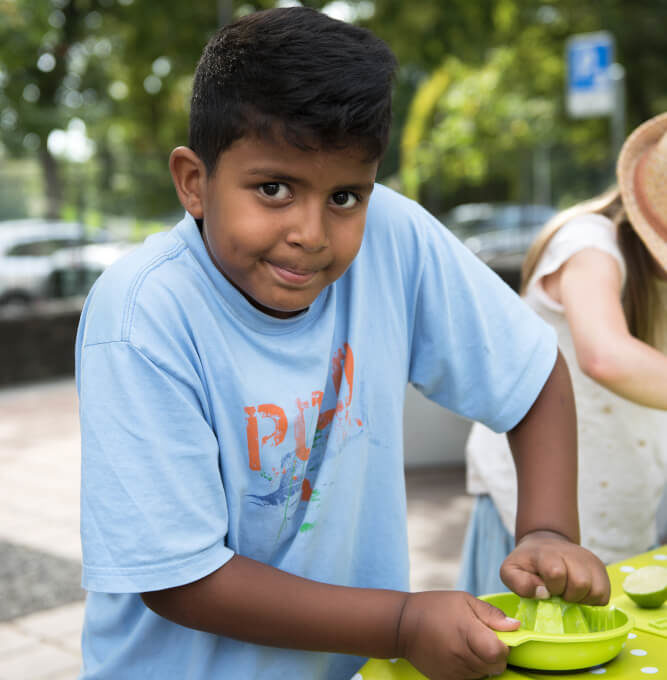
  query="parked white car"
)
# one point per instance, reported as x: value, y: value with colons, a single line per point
x: 36, y: 254
x: 26, y: 247
x: 74, y: 270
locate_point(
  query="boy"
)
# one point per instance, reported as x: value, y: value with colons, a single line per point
x: 241, y: 383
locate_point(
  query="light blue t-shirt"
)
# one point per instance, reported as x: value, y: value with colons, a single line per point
x: 210, y: 428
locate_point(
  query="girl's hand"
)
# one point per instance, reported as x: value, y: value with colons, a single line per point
x: 448, y: 635
x: 545, y: 563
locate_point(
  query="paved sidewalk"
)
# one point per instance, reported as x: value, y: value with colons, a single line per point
x: 39, y: 527
x: 41, y: 603
x: 42, y: 646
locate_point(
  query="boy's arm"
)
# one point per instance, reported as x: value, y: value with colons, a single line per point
x: 544, y: 446
x: 248, y: 600
x: 445, y: 634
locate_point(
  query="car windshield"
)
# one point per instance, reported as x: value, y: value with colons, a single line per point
x: 42, y: 247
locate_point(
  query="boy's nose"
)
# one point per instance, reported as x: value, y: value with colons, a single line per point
x: 309, y: 229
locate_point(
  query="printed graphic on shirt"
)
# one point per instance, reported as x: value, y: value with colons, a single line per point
x: 287, y: 455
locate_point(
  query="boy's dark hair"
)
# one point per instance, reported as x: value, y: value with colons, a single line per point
x: 321, y: 83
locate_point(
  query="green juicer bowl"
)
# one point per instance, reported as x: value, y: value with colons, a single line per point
x: 560, y: 636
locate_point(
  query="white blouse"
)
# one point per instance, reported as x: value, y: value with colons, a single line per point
x: 622, y: 445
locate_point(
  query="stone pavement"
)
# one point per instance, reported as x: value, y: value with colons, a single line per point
x: 41, y: 602
x: 39, y: 533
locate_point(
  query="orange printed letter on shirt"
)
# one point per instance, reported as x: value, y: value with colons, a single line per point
x: 280, y: 420
x: 253, y: 438
x: 300, y: 431
x: 252, y: 430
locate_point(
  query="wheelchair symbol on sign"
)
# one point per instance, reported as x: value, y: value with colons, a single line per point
x: 585, y: 64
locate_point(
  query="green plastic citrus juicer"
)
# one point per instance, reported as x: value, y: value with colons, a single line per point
x: 561, y: 636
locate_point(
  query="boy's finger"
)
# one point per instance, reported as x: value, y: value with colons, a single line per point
x: 586, y: 566
x: 490, y: 653
x: 483, y: 642
x: 493, y: 617
x: 579, y: 582
x: 600, y: 588
x: 522, y: 582
x: 485, y: 668
x: 554, y: 573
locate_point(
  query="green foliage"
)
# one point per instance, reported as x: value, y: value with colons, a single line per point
x: 468, y: 140
x: 480, y: 84
x: 419, y: 122
x: 468, y: 125
x: 124, y: 68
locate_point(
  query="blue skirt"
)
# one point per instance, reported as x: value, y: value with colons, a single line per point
x: 487, y: 544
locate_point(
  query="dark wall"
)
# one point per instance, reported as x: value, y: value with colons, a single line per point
x: 37, y: 343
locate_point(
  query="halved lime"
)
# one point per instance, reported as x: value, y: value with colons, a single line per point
x: 647, y: 586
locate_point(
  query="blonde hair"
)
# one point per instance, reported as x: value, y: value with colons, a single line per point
x: 639, y: 297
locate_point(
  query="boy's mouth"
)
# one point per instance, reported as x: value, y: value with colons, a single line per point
x: 292, y: 275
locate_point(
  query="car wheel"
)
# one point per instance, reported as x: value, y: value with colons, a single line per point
x: 15, y: 301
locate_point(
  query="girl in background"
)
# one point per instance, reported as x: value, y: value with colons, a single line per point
x: 598, y: 273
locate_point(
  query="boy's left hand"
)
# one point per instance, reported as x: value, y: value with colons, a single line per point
x: 545, y: 563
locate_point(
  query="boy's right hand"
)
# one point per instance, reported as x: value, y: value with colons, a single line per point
x: 447, y: 635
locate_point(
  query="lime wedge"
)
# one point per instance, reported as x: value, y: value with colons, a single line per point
x: 574, y: 620
x: 549, y: 617
x: 526, y: 612
x: 647, y: 587
x: 555, y: 616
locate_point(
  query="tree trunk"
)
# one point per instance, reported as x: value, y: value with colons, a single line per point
x: 52, y: 183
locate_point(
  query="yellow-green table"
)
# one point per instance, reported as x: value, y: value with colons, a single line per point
x: 644, y: 654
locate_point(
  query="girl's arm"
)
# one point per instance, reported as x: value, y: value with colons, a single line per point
x: 589, y: 287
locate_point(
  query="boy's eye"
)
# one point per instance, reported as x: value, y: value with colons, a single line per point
x: 345, y: 199
x: 274, y: 190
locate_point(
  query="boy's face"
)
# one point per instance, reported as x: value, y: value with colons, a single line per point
x: 280, y: 223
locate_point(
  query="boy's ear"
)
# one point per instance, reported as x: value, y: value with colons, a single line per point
x: 189, y: 176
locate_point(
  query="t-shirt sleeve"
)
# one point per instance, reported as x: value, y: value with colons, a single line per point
x: 477, y: 348
x: 153, y: 511
x: 579, y: 233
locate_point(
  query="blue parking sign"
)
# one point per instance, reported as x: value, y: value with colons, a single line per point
x: 590, y: 89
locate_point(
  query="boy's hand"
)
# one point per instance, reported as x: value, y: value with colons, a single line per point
x: 545, y: 563
x: 447, y: 635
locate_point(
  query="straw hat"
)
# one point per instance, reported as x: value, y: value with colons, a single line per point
x: 642, y: 179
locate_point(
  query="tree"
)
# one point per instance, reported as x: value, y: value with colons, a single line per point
x: 124, y: 68
x: 44, y: 77
x: 459, y: 49
x: 469, y: 126
x: 425, y: 32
